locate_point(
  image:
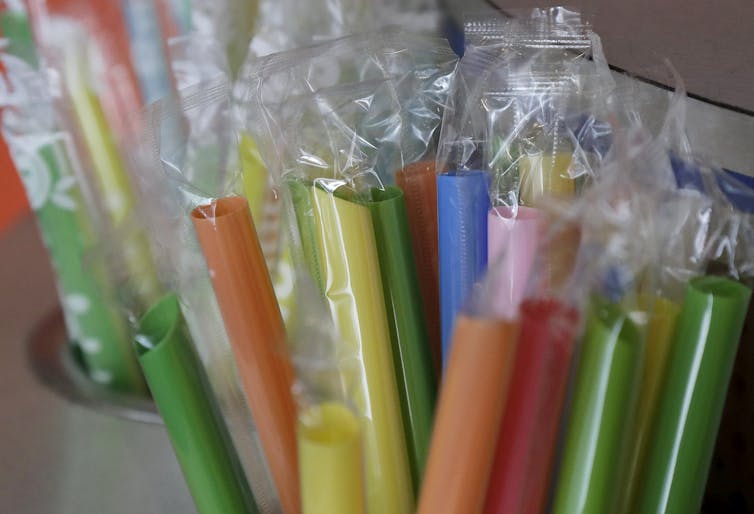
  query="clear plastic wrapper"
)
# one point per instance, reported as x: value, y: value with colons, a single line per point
x: 230, y: 24
x: 702, y: 354
x: 48, y: 163
x: 551, y: 314
x: 176, y: 174
x: 621, y: 248
x: 662, y: 239
x: 420, y: 68
x: 705, y: 222
x: 323, y: 20
x: 256, y: 331
x: 203, y: 168
x: 525, y: 106
x: 148, y: 47
x: 336, y: 181
x: 95, y: 94
x: 524, y: 121
x: 599, y: 290
x: 709, y: 327
x: 330, y: 434
x: 526, y: 442
x: 354, y: 293
x: 314, y: 22
x: 335, y: 148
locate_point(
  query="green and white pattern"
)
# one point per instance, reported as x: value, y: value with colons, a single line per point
x: 46, y: 167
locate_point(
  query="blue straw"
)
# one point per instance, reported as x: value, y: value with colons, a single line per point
x: 462, y: 206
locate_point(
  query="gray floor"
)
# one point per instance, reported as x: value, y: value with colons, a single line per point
x: 57, y: 457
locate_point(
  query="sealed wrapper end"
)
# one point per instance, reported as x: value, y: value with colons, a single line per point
x: 543, y: 175
x: 601, y: 406
x: 462, y: 207
x: 512, y: 238
x: 419, y: 185
x: 353, y: 290
x: 181, y: 391
x: 660, y: 332
x: 255, y: 328
x: 526, y: 443
x: 412, y: 362
x: 472, y: 401
x: 693, y: 395
x: 331, y: 460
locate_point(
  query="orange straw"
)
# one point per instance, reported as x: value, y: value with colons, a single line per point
x: 472, y: 401
x: 419, y: 186
x: 255, y: 328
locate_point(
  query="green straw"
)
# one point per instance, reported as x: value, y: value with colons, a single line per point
x: 307, y: 230
x: 181, y: 391
x: 15, y: 28
x: 351, y: 271
x: 602, y: 402
x: 408, y: 332
x: 92, y: 319
x: 700, y: 364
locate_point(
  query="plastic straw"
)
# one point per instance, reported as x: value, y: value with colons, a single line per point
x: 181, y: 391
x: 462, y: 205
x: 544, y: 175
x: 512, y: 245
x: 91, y: 317
x: 519, y: 482
x: 256, y: 332
x: 110, y: 173
x: 148, y: 49
x: 693, y: 395
x: 255, y: 176
x: 727, y: 485
x: 415, y: 375
x: 660, y: 332
x: 330, y: 456
x: 472, y: 401
x: 302, y: 205
x: 419, y: 185
x: 353, y: 289
x: 603, y: 399
x: 16, y: 29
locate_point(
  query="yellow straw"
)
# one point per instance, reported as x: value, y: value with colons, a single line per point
x: 255, y: 177
x: 330, y: 461
x: 257, y: 191
x: 545, y: 175
x: 110, y: 173
x: 660, y: 329
x: 353, y: 289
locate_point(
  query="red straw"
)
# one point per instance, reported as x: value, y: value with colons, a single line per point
x: 528, y: 433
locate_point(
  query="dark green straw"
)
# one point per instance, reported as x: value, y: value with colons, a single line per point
x: 408, y: 332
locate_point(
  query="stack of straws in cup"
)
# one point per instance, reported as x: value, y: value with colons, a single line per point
x: 449, y: 286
